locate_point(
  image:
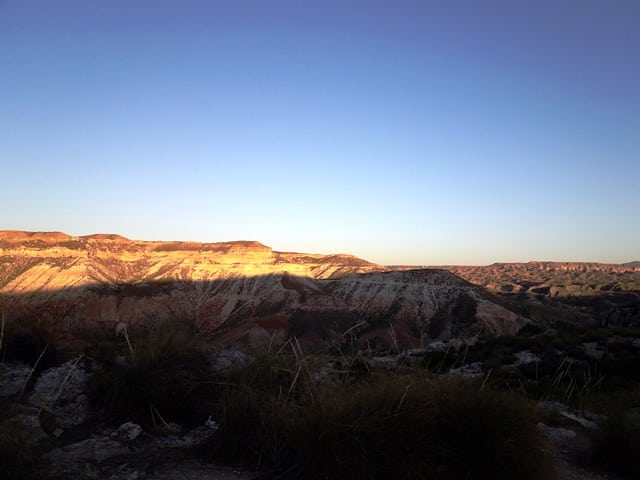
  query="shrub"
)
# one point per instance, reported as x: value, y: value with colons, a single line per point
x: 165, y: 376
x: 26, y: 340
x: 379, y: 427
x: 616, y: 444
x: 486, y: 433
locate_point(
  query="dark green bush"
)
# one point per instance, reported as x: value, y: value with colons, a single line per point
x: 27, y: 340
x: 379, y: 427
x: 166, y: 377
x: 616, y: 444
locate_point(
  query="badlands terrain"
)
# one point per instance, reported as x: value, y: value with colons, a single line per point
x: 241, y: 292
x: 246, y: 292
x: 125, y: 359
x: 588, y: 294
x: 554, y: 278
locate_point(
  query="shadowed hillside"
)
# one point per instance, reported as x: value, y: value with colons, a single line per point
x: 376, y: 310
x: 236, y: 291
x: 586, y: 294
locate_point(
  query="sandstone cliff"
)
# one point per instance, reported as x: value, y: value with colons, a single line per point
x: 236, y: 292
x: 32, y: 261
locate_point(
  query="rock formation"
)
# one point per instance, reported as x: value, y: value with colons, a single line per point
x: 553, y: 278
x: 237, y: 292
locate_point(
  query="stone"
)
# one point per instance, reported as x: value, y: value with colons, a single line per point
x: 13, y: 377
x: 212, y: 424
x: 128, y: 431
x: 437, y: 346
x: 584, y: 419
x: 98, y: 448
x: 416, y: 352
x: 522, y: 358
x: 562, y: 438
x: 525, y: 357
x: 471, y: 370
x: 193, y: 438
x: 385, y: 363
x: 61, y: 392
x: 230, y: 359
x: 592, y: 350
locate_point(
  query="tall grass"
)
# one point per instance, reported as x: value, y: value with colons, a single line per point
x: 377, y: 427
x: 616, y: 443
x: 165, y: 376
x: 574, y: 383
x: 27, y: 340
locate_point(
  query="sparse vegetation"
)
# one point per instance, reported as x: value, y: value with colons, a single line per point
x: 561, y: 367
x: 379, y: 426
x: 616, y: 444
x: 342, y: 416
x: 161, y: 376
x: 26, y: 340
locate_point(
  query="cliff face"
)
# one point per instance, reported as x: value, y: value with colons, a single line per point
x: 235, y: 292
x: 37, y: 261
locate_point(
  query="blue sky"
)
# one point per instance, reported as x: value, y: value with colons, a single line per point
x: 404, y: 132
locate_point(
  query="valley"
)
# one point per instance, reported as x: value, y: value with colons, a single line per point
x: 120, y: 354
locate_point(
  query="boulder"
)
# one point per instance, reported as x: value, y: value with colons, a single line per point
x: 561, y: 438
x: 61, y: 391
x: 230, y: 359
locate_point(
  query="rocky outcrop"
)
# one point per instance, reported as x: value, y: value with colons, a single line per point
x: 237, y: 292
x: 373, y: 311
x: 52, y: 261
x: 61, y: 393
x: 71, y: 439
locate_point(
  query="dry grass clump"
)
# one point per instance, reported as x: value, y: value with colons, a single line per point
x: 381, y: 427
x: 26, y: 340
x: 161, y: 376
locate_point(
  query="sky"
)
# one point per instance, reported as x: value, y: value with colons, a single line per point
x: 403, y: 132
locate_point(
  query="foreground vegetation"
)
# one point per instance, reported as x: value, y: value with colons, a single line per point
x: 19, y: 460
x: 413, y: 426
x: 290, y: 415
x: 162, y: 375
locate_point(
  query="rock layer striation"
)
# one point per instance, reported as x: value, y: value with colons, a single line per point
x: 236, y: 292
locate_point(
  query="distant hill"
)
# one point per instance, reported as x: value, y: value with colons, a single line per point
x: 553, y: 278
x: 635, y: 263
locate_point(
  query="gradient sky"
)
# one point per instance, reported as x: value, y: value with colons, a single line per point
x: 404, y: 132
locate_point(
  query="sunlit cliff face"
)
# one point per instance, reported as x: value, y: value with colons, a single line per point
x: 46, y: 261
x: 237, y: 291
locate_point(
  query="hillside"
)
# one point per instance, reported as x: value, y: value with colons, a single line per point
x: 584, y: 294
x: 553, y: 278
x: 33, y: 261
x: 240, y: 292
x: 115, y: 311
